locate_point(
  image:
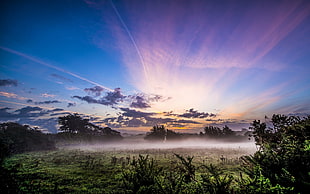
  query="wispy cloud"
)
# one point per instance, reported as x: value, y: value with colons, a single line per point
x: 61, y: 78
x: 52, y: 66
x: 204, y: 50
x: 48, y: 102
x: 12, y: 95
x: 46, y: 95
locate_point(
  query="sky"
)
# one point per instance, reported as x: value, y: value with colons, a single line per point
x: 133, y: 64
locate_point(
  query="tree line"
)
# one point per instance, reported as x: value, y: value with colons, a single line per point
x: 160, y: 133
x: 16, y: 138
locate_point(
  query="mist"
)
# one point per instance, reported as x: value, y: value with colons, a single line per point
x: 139, y: 144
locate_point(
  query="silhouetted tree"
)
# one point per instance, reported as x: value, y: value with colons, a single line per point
x: 159, y: 132
x: 227, y: 132
x: 216, y: 132
x: 75, y: 124
x: 16, y: 138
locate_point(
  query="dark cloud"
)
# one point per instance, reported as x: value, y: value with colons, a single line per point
x: 8, y: 82
x: 191, y: 113
x: 88, y: 99
x: 176, y: 125
x: 4, y: 114
x: 57, y: 109
x: 49, y: 123
x: 136, y: 114
x: 61, y: 77
x: 135, y: 122
x: 29, y: 101
x: 48, y: 102
x: 142, y: 100
x: 139, y: 102
x: 111, y: 98
x: 33, y: 116
x: 133, y: 118
x: 97, y: 90
x: 187, y: 121
x: 60, y: 114
x: 30, y: 111
x: 70, y: 104
x: 152, y: 121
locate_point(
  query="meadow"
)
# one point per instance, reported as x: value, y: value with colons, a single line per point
x: 100, y: 168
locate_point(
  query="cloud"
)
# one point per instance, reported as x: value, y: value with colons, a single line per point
x: 57, y: 109
x: 29, y: 101
x: 133, y: 118
x: 97, y: 90
x: 30, y: 111
x: 205, y: 53
x: 45, y: 95
x: 143, y: 101
x: 8, y: 82
x: 191, y: 113
x: 48, y: 102
x: 70, y: 104
x: 187, y: 121
x: 72, y: 88
x: 11, y: 95
x: 133, y: 113
x: 114, y: 97
x: 139, y: 102
x: 5, y: 114
x: 110, y: 99
x: 36, y: 116
x: 8, y: 94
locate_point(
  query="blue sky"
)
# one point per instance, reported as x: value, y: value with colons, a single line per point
x: 134, y: 64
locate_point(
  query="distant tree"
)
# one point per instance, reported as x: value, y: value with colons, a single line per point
x: 227, y: 132
x: 216, y: 132
x: 212, y: 131
x: 159, y: 132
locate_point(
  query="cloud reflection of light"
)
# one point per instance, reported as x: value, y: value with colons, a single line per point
x: 195, y: 59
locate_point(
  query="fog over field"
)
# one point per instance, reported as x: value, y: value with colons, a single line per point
x: 139, y: 144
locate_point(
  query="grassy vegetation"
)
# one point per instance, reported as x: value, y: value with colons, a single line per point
x: 75, y: 171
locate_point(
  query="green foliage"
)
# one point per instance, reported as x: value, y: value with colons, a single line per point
x: 258, y: 183
x: 187, y: 168
x: 142, y: 177
x: 216, y: 180
x: 284, y: 156
x: 59, y: 172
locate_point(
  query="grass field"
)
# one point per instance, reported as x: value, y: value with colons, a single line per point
x: 99, y: 168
